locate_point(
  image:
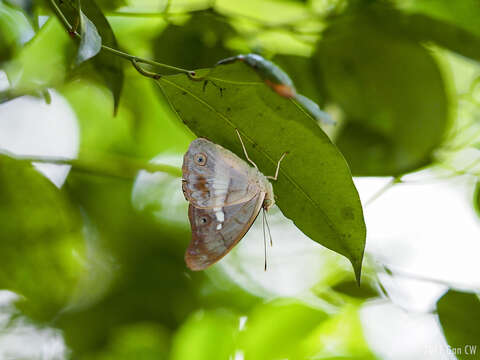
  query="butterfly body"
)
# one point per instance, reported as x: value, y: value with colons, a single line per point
x: 225, y: 195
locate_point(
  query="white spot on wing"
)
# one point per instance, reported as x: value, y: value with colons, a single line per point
x: 219, y: 214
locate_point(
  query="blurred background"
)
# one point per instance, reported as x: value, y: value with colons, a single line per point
x: 91, y: 249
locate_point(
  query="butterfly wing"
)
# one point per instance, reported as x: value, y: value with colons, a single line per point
x: 215, y: 177
x: 216, y: 231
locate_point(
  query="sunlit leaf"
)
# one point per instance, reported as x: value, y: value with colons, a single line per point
x: 476, y: 198
x: 143, y: 126
x: 391, y: 91
x: 314, y: 187
x: 91, y: 42
x: 41, y: 245
x: 275, y: 330
x: 338, y: 337
x: 206, y: 335
x: 145, y: 341
x: 459, y: 315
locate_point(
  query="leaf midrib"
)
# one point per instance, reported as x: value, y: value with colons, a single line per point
x: 222, y: 116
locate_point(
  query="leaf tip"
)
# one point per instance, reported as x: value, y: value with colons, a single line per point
x: 357, y: 268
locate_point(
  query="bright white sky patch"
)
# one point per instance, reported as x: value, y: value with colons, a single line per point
x: 29, y: 126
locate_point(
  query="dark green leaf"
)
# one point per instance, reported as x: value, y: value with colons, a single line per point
x: 459, y: 315
x: 280, y: 82
x: 314, y: 188
x: 350, y: 288
x: 91, y: 42
x: 461, y: 13
x: 429, y: 23
x: 199, y: 43
x: 41, y: 245
x: 111, y: 4
x: 391, y: 91
x: 106, y: 64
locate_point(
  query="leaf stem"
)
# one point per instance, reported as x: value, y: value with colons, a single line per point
x: 116, y: 52
x: 451, y: 284
x: 383, y: 189
x: 112, y: 166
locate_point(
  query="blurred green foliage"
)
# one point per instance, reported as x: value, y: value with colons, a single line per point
x: 459, y: 314
x: 109, y: 275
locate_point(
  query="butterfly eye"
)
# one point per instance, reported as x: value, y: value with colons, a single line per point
x: 203, y: 220
x: 200, y: 159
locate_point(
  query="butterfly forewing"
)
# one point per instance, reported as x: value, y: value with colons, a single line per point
x: 215, y: 177
x: 215, y: 231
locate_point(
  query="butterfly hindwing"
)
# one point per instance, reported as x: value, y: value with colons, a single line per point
x: 215, y: 231
x: 215, y: 177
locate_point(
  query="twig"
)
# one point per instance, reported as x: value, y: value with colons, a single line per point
x: 145, y: 72
x: 113, y: 166
x: 119, y: 53
x: 390, y: 184
x: 408, y: 275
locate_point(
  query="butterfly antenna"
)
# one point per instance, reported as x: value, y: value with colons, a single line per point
x: 245, y: 150
x: 268, y: 228
x: 278, y: 167
x: 264, y: 239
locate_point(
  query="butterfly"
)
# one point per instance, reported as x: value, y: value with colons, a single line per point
x: 225, y: 195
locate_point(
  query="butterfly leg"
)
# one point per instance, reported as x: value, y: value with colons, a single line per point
x: 264, y: 240
x: 278, y: 167
x: 245, y: 150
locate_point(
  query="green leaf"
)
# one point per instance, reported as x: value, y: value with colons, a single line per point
x: 280, y: 82
x: 91, y: 42
x: 451, y: 25
x: 41, y: 244
x: 338, y: 337
x: 145, y: 341
x: 459, y: 315
x: 198, y: 43
x: 206, y: 336
x: 391, y: 91
x: 462, y: 13
x: 275, y: 330
x: 350, y: 288
x: 109, y: 66
x: 476, y: 198
x: 314, y: 187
